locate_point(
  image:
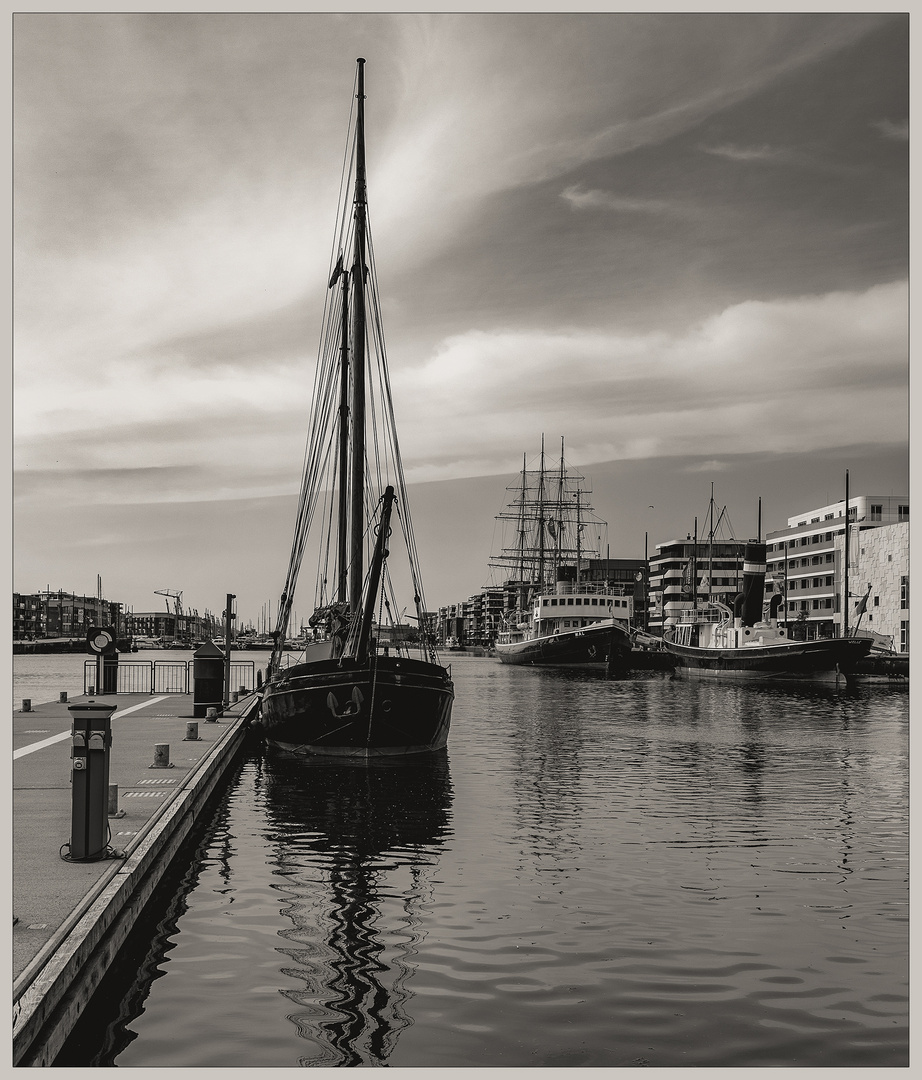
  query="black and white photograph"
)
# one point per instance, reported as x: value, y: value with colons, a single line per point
x: 460, y: 539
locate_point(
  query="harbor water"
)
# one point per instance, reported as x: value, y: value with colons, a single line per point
x: 596, y: 873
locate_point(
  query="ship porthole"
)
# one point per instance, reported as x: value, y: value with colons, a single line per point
x: 385, y: 706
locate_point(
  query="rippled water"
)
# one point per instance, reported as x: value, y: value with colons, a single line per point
x: 596, y: 873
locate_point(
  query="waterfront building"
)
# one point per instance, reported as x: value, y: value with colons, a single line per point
x: 167, y: 626
x: 806, y: 563
x: 59, y: 614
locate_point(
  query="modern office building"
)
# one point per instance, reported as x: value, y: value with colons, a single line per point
x: 806, y: 563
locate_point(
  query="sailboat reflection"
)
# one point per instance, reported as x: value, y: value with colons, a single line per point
x: 356, y: 846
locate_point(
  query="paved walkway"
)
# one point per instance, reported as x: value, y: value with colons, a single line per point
x: 48, y: 890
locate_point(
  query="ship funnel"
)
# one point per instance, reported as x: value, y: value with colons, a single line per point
x: 753, y: 592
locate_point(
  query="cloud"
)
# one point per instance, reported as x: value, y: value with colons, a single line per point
x: 799, y: 374
x: 745, y: 153
x: 898, y: 131
x: 581, y: 198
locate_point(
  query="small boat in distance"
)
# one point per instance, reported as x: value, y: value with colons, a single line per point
x: 558, y: 619
x: 366, y: 685
x: 713, y: 641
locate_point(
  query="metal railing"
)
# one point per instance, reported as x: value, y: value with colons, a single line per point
x: 165, y: 676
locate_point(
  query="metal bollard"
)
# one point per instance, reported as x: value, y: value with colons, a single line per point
x: 242, y: 691
x: 62, y: 696
x: 161, y: 756
x: 90, y: 690
x: 192, y: 734
x: 113, y: 802
x: 234, y: 697
x: 211, y: 716
x: 27, y: 704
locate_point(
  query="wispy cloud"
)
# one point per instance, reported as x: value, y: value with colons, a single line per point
x: 745, y: 153
x: 898, y: 131
x: 581, y: 198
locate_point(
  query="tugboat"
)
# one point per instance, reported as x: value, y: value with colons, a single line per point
x: 558, y: 621
x: 717, y: 642
x: 357, y: 690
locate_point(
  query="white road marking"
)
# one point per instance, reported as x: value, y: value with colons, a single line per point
x: 32, y: 747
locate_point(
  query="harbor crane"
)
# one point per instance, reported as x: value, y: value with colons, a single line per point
x: 176, y: 595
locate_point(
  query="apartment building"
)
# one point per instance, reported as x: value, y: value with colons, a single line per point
x: 806, y: 564
x: 58, y: 614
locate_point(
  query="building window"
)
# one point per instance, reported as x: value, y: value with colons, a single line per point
x: 877, y: 511
x: 853, y: 513
x: 876, y: 601
x: 904, y: 636
x: 903, y: 513
x: 904, y: 593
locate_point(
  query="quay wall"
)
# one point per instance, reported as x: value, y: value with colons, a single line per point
x: 53, y: 990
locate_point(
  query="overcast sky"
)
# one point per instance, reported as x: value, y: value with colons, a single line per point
x: 662, y: 236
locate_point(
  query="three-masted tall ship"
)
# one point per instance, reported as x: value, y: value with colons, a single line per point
x: 366, y: 685
x: 558, y: 619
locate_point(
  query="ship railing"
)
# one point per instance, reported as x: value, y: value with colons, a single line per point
x: 691, y: 614
x: 571, y: 588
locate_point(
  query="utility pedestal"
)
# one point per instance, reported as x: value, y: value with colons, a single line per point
x: 91, y: 734
x: 207, y: 679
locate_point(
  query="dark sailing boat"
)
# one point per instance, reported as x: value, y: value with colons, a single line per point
x: 745, y: 642
x: 365, y: 685
x: 558, y: 620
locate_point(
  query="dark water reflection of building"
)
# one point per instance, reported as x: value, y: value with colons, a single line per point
x: 356, y: 848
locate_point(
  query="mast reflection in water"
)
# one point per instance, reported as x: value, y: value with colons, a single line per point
x: 377, y: 831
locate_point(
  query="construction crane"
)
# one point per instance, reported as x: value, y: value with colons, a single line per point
x: 176, y: 595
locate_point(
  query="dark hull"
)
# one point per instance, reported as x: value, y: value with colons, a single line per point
x: 590, y: 646
x: 389, y: 708
x: 826, y: 660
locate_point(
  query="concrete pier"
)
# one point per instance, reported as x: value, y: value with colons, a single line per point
x: 70, y: 918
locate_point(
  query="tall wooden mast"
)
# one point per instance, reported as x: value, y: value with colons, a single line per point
x: 358, y: 353
x: 342, y: 536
